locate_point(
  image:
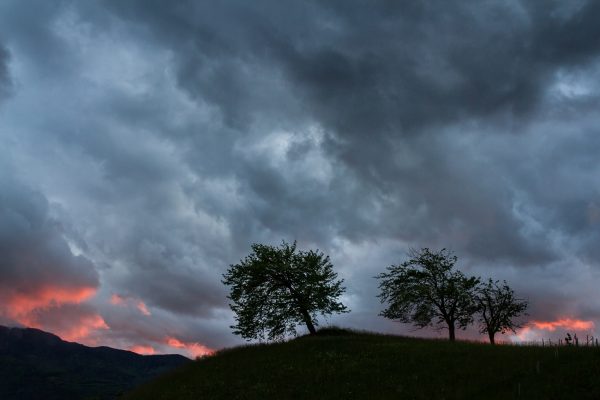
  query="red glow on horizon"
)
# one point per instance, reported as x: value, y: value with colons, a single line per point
x: 81, y: 332
x: 116, y: 300
x: 195, y: 349
x: 119, y: 300
x: 142, y: 307
x: 565, y: 323
x: 536, y: 330
x: 28, y: 309
x: 60, y: 310
x: 18, y: 305
x: 143, y: 350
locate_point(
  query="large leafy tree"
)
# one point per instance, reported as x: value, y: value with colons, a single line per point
x: 498, y: 308
x: 426, y: 290
x: 274, y: 289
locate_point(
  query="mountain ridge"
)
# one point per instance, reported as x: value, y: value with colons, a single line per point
x: 36, y: 364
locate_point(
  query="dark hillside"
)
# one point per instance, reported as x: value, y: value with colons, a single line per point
x: 351, y: 365
x: 38, y: 365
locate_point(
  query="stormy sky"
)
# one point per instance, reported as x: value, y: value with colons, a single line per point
x: 145, y: 145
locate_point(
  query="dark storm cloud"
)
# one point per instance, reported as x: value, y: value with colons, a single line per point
x: 30, y: 27
x: 171, y: 136
x: 37, y: 268
x: 381, y: 80
x: 34, y: 252
x: 167, y: 280
x: 398, y: 66
x: 5, y: 80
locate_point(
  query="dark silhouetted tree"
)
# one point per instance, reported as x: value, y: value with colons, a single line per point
x: 426, y: 290
x: 498, y: 308
x: 276, y: 288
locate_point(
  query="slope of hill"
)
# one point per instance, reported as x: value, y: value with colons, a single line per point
x: 346, y: 365
x: 38, y: 365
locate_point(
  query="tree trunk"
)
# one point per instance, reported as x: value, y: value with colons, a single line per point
x: 305, y: 315
x: 491, y: 335
x: 308, y: 322
x: 451, y: 334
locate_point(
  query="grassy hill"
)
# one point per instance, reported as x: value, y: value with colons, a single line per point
x: 339, y: 364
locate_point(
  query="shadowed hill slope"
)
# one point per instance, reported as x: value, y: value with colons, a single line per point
x: 353, y: 365
x: 38, y: 365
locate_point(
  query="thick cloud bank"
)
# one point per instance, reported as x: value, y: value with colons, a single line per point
x: 38, y: 271
x: 146, y: 145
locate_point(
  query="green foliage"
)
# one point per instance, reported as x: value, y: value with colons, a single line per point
x: 276, y: 288
x: 367, y: 366
x: 426, y: 290
x: 498, y: 308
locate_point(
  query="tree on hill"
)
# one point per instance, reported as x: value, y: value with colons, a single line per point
x: 276, y: 288
x: 426, y: 290
x: 498, y: 307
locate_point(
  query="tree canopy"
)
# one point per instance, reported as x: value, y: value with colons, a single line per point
x: 426, y: 290
x: 274, y: 289
x: 498, y: 308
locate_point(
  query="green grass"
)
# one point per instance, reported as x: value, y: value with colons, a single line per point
x: 339, y: 364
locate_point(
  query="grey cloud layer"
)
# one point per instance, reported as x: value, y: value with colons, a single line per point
x: 35, y: 257
x: 170, y: 137
x: 383, y: 82
x: 5, y: 81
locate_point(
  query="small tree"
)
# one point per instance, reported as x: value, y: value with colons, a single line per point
x: 426, y: 290
x: 276, y: 288
x: 498, y: 307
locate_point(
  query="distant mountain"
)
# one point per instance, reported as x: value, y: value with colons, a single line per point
x: 38, y: 365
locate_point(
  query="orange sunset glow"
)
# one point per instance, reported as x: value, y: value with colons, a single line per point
x: 143, y: 350
x: 116, y: 300
x: 565, y: 323
x: 81, y: 330
x: 24, y: 309
x: 119, y: 300
x: 142, y: 307
x: 18, y: 305
x: 536, y: 330
x: 86, y: 327
x: 193, y: 348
